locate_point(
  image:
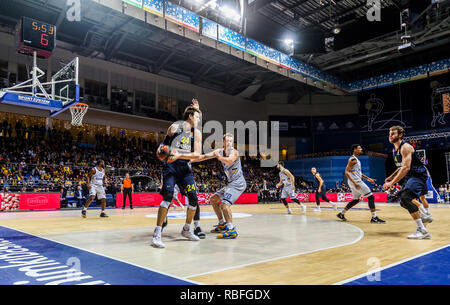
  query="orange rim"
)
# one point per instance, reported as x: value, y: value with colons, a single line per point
x: 80, y: 106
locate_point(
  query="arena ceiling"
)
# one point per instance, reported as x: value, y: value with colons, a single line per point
x: 361, y: 49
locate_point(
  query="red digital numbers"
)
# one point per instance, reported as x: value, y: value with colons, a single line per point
x: 44, y: 41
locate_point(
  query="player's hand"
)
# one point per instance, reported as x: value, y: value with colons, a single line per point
x: 88, y: 185
x: 217, y: 154
x: 371, y: 180
x: 387, y: 185
x: 357, y: 186
x: 195, y: 103
x: 174, y: 155
x: 387, y: 180
x: 319, y: 190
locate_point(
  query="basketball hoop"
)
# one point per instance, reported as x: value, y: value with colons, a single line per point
x: 78, y: 111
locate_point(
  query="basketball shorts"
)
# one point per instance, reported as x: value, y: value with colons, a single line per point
x: 232, y: 192
x: 178, y: 173
x: 97, y: 190
x: 363, y: 191
x: 416, y: 185
x: 287, y: 192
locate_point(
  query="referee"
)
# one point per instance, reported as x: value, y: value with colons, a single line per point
x: 127, y: 188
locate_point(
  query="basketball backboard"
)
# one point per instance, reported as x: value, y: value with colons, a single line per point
x: 56, y: 96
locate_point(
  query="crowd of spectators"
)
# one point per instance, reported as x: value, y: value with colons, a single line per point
x: 37, y: 159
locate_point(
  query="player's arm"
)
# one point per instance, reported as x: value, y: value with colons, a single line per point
x: 406, y: 151
x: 227, y: 160
x: 320, y: 181
x: 348, y: 170
x: 279, y: 183
x: 289, y: 174
x: 170, y: 132
x: 368, y: 178
x: 90, y: 174
x: 389, y: 179
x: 205, y: 157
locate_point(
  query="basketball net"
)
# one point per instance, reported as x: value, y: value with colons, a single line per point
x: 78, y: 111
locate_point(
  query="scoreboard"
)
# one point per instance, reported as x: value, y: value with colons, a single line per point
x: 446, y: 102
x: 35, y: 36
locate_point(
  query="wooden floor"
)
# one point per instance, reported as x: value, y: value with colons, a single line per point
x: 385, y: 242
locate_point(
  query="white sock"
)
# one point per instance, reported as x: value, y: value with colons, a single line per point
x: 196, y: 223
x: 221, y: 222
x: 420, y: 224
x: 230, y: 226
x: 158, y: 231
x: 85, y: 209
x: 343, y: 211
x: 187, y: 226
x: 374, y: 214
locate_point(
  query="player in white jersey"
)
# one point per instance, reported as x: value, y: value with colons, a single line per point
x: 96, y: 178
x: 358, y: 187
x: 225, y: 197
x: 287, y: 180
x: 175, y: 201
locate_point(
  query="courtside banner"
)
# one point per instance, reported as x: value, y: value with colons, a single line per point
x: 154, y: 199
x: 29, y: 201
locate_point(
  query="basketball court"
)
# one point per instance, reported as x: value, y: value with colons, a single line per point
x: 294, y: 249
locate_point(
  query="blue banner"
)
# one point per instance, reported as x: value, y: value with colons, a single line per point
x: 191, y: 20
x: 231, y: 38
x: 154, y: 6
x: 209, y: 28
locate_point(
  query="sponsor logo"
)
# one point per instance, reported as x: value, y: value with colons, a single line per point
x: 38, y: 269
x: 31, y: 99
x: 37, y: 201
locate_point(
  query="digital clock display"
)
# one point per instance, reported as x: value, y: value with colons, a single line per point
x: 38, y: 35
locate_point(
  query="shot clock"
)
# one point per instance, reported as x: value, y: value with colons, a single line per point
x: 34, y: 35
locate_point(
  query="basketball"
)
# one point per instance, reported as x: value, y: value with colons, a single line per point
x: 163, y: 152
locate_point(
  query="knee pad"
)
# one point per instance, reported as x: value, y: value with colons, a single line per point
x: 168, y: 196
x: 371, y: 199
x: 406, y: 198
x: 193, y: 201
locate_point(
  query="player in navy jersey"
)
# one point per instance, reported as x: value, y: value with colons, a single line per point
x: 321, y: 190
x: 185, y: 142
x: 415, y: 173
